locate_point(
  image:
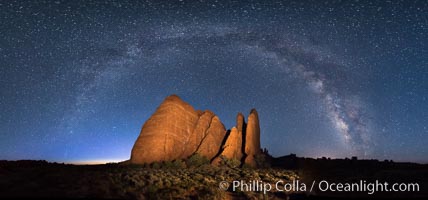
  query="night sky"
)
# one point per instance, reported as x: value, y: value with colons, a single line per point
x: 328, y: 78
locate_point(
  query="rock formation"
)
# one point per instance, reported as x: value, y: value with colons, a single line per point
x: 177, y: 131
x: 165, y: 133
x: 232, y: 149
x: 252, y: 138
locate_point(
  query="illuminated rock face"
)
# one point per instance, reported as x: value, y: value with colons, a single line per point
x: 232, y: 149
x: 252, y: 138
x: 243, y: 141
x: 177, y: 131
x: 166, y: 134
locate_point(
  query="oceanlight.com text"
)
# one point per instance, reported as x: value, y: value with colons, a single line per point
x: 321, y: 186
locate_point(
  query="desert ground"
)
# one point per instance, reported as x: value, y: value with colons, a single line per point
x: 195, y: 179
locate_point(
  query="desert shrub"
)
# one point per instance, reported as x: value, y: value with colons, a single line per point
x: 209, y: 193
x: 156, y: 165
x: 232, y: 163
x: 179, y: 164
x: 134, y: 166
x: 152, y: 192
x: 246, y: 166
x: 176, y: 164
x: 262, y: 161
x: 146, y: 165
x: 167, y: 165
x: 197, y: 160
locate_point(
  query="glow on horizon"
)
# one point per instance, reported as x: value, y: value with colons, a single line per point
x: 95, y: 162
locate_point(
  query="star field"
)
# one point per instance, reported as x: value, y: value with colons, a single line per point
x: 328, y: 78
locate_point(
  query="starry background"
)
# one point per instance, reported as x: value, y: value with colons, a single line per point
x: 328, y: 78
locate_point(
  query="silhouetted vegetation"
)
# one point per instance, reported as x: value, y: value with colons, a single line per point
x: 232, y: 163
x: 197, y: 160
x: 194, y: 178
x: 159, y: 180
